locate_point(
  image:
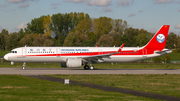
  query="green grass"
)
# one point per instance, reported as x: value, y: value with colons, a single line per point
x: 160, y: 84
x: 136, y: 66
x: 2, y: 53
x: 97, y: 66
x: 31, y: 65
x: 21, y: 88
x: 173, y: 57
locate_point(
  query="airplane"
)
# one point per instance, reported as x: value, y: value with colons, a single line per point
x: 78, y: 56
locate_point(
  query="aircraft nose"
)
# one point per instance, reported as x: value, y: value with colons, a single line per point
x: 6, y: 57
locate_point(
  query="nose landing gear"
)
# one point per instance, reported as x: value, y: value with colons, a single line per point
x: 24, y: 66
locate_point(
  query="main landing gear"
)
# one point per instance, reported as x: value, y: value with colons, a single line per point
x: 91, y: 67
x: 24, y: 66
x: 86, y: 67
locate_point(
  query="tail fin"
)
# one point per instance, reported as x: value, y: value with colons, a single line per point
x: 158, y: 41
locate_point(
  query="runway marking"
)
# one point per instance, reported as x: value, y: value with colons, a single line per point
x: 107, y: 88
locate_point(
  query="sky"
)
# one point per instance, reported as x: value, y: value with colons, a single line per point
x: 142, y: 14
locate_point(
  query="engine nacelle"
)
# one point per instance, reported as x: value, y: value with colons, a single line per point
x: 74, y: 62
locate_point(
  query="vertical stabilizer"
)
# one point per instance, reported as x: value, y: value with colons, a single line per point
x: 158, y: 42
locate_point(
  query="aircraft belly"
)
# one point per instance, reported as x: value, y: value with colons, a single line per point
x: 122, y: 59
x: 36, y: 59
x: 42, y: 59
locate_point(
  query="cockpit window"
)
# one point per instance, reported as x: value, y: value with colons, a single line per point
x: 13, y: 52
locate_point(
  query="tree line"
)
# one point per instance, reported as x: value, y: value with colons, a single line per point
x: 78, y: 29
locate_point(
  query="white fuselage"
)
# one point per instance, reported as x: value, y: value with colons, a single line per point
x: 60, y: 54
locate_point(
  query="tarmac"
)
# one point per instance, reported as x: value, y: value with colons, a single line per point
x: 48, y: 71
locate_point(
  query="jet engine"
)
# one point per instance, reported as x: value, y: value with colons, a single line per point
x: 72, y: 62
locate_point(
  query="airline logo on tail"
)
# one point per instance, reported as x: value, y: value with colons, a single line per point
x: 160, y: 38
x: 158, y: 42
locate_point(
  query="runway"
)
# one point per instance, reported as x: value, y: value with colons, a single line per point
x: 48, y: 71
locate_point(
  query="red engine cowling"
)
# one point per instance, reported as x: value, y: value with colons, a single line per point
x: 74, y: 62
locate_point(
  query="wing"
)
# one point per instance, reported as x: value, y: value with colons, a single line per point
x: 99, y: 58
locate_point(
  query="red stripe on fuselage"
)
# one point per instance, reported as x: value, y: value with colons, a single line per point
x: 139, y: 52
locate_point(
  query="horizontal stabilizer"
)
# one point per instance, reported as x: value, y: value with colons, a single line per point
x: 164, y: 51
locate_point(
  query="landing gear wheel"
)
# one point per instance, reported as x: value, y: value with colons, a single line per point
x: 91, y: 67
x: 86, y: 67
x: 24, y: 68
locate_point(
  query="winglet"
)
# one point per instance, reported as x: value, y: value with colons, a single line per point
x: 121, y: 47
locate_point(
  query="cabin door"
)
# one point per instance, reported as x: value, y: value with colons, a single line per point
x: 58, y: 52
x: 144, y: 52
x: 100, y: 52
x: 24, y: 52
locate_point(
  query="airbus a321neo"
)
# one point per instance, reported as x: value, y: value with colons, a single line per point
x: 78, y: 56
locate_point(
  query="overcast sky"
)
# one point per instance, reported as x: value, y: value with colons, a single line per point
x: 147, y: 14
